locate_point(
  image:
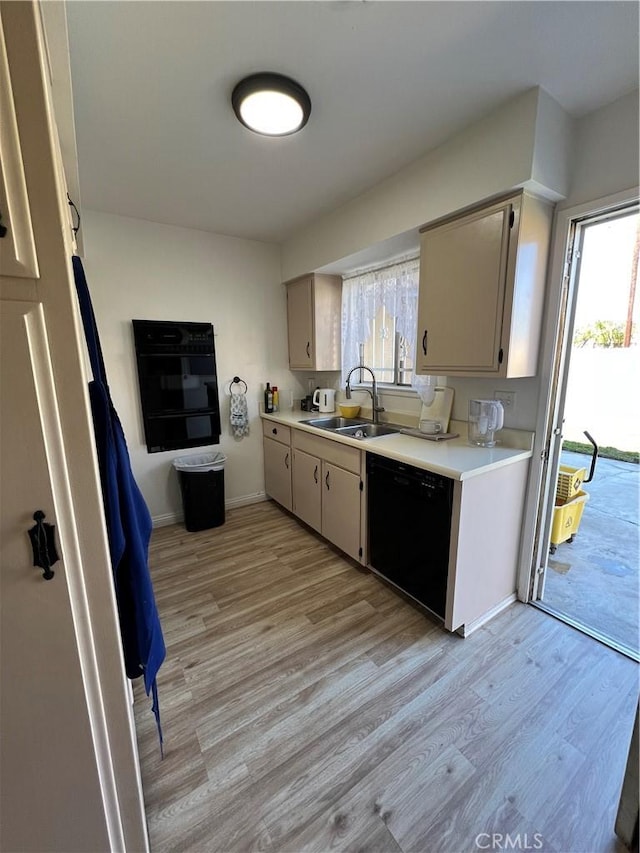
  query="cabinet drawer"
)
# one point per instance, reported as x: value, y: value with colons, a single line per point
x: 332, y: 451
x: 276, y: 431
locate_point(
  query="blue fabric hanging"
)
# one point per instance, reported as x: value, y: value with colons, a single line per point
x: 128, y: 520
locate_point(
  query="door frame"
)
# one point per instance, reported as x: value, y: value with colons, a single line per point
x: 71, y: 455
x: 553, y: 369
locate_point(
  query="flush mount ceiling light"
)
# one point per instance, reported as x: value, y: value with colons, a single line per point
x: 271, y: 104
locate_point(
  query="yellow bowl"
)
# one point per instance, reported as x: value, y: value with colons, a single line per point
x: 348, y: 411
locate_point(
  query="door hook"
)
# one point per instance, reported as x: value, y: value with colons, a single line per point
x: 42, y: 536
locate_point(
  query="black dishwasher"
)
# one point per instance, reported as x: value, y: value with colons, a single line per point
x: 409, y: 513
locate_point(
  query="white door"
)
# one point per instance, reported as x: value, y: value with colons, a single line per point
x: 47, y: 758
x: 594, y: 381
x: 69, y: 772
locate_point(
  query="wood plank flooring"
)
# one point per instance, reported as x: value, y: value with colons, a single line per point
x: 308, y: 707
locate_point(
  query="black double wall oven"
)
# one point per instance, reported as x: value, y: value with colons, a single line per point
x: 178, y: 384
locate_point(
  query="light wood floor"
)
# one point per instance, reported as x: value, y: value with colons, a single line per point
x: 306, y: 706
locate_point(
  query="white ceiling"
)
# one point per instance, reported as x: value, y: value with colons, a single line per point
x: 157, y: 138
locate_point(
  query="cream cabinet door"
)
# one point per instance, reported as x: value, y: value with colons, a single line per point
x: 17, y: 247
x: 341, y: 508
x: 277, y: 471
x: 314, y: 315
x: 47, y: 757
x: 300, y: 321
x: 463, y: 270
x: 307, y: 489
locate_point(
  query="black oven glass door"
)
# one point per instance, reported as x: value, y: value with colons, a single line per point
x: 173, y: 432
x: 178, y: 383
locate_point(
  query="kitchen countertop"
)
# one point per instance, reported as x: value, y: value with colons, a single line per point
x: 454, y: 458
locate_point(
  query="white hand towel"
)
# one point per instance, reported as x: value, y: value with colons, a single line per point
x: 239, y: 414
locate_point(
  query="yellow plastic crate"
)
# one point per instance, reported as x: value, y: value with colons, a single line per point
x: 566, y: 519
x: 570, y: 481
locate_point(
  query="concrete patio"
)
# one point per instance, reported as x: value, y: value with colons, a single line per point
x: 595, y: 579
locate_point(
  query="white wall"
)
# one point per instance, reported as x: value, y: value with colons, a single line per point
x: 507, y: 149
x: 600, y: 397
x: 552, y: 150
x: 144, y: 270
x: 605, y: 156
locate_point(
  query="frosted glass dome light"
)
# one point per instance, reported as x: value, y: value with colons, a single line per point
x: 271, y: 104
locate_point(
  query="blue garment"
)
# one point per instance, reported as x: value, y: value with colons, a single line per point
x: 128, y: 520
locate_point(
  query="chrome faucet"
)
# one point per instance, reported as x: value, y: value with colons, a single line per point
x: 374, y: 394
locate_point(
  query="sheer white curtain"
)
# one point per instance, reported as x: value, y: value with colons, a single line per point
x: 396, y: 288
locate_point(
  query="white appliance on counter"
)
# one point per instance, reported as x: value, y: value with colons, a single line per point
x: 486, y: 417
x: 325, y: 399
x: 439, y: 409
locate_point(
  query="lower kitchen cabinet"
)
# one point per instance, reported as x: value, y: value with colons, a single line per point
x: 341, y: 508
x: 326, y: 490
x: 307, y: 489
x: 324, y: 483
x: 327, y: 498
x: 277, y: 464
x: 485, y: 545
x: 459, y: 552
x: 318, y: 480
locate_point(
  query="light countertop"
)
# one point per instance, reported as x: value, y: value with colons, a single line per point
x: 454, y: 458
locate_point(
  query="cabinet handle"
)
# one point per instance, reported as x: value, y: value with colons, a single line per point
x: 275, y: 430
x: 424, y: 342
x: 315, y: 474
x: 308, y: 349
x: 326, y: 480
x: 286, y: 460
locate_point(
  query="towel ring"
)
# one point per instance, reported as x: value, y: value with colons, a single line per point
x: 237, y: 381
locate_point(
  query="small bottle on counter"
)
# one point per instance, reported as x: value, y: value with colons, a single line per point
x: 276, y: 399
x: 268, y: 400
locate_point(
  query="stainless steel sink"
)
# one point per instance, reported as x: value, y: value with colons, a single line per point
x: 354, y: 427
x: 334, y: 423
x: 367, y: 430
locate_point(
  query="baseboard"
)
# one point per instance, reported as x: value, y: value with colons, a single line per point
x: 466, y: 630
x: 245, y: 500
x: 168, y: 518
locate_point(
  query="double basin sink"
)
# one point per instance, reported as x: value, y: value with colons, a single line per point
x: 353, y: 427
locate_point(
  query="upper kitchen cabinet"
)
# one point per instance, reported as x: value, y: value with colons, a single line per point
x: 482, y: 281
x: 314, y: 307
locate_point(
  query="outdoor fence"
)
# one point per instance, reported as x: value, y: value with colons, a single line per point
x: 603, y: 396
